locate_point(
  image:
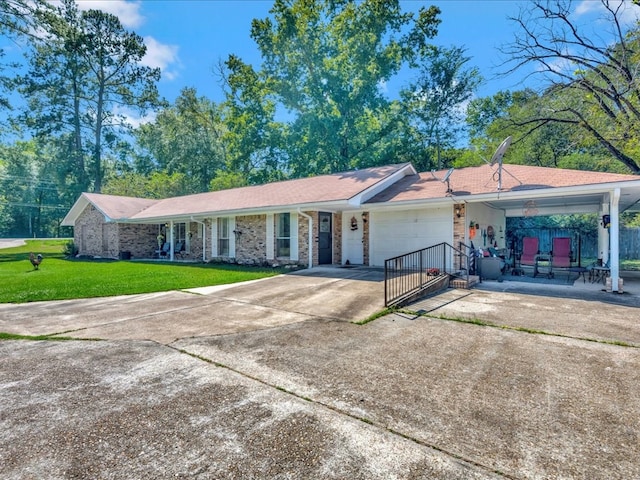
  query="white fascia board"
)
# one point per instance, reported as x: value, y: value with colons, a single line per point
x: 551, y: 192
x: 544, y: 211
x: 412, y: 204
x: 79, y: 207
x: 557, y: 191
x: 372, y: 191
x: 329, y: 206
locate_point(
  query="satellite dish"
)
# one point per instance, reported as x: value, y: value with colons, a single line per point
x: 445, y: 179
x: 497, y: 157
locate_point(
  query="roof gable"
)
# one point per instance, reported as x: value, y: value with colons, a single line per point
x: 113, y: 207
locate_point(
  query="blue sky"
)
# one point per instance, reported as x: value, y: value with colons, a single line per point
x: 187, y: 38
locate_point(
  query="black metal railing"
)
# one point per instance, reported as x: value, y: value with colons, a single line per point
x: 467, y: 258
x: 407, y: 275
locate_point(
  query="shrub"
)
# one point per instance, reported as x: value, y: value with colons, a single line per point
x: 69, y: 249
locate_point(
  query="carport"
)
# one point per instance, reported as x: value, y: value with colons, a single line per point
x: 460, y: 206
x: 607, y: 201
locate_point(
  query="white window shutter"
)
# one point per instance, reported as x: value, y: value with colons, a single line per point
x: 214, y: 237
x: 293, y: 242
x: 232, y: 237
x: 269, y: 241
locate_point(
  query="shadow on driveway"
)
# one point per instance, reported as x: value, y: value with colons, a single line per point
x: 489, y: 385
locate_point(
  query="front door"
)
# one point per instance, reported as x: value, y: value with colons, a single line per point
x: 324, y: 238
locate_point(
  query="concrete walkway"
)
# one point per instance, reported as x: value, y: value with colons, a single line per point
x: 270, y: 380
x: 11, y: 242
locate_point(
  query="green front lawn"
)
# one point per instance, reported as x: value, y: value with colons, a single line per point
x: 59, y: 278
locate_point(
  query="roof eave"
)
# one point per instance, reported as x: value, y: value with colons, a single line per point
x: 383, y: 184
x: 78, y: 207
x: 315, y: 206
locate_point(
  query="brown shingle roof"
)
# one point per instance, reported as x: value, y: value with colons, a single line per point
x: 484, y: 179
x: 321, y: 189
x: 118, y: 207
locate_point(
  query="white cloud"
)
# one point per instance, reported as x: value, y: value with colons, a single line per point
x: 132, y: 118
x: 127, y: 12
x: 161, y: 56
x: 628, y: 13
x: 587, y: 6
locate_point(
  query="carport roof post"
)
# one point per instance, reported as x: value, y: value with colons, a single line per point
x: 614, y: 238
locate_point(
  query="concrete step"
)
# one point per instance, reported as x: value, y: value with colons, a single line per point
x: 458, y: 282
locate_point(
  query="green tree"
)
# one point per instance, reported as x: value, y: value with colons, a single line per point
x: 436, y: 100
x: 324, y: 63
x: 32, y: 202
x: 547, y: 144
x: 590, y: 77
x: 155, y: 185
x: 17, y: 19
x: 255, y: 140
x: 187, y: 138
x: 84, y: 74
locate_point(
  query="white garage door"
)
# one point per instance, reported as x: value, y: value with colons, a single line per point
x: 398, y: 232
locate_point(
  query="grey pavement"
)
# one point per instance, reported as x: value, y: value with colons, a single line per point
x: 11, y: 242
x: 272, y: 380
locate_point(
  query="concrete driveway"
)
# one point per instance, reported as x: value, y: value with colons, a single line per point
x: 488, y: 385
x: 322, y: 293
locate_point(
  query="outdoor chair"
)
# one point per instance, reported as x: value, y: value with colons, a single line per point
x: 180, y: 250
x: 561, y: 252
x: 529, y: 251
x: 164, y: 251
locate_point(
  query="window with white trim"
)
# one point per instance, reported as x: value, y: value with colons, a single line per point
x: 180, y: 232
x: 283, y: 235
x: 223, y: 237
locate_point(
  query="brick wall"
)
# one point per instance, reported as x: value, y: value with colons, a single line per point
x: 140, y: 240
x: 195, y: 242
x: 251, y: 244
x: 93, y: 236
x: 303, y: 238
x: 365, y: 238
x: 337, y: 238
x: 459, y: 229
x: 251, y: 248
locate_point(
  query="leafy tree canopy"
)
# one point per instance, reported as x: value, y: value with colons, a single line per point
x: 590, y: 77
x: 324, y: 62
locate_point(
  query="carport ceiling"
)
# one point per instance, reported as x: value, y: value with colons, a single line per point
x: 564, y: 204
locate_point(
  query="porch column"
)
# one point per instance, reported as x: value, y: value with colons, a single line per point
x: 171, y: 240
x: 603, y: 234
x: 614, y: 239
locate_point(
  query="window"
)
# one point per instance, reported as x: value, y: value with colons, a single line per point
x: 180, y: 232
x: 283, y: 235
x: 223, y: 237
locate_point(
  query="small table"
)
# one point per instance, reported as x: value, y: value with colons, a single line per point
x: 544, y: 258
x: 580, y: 271
x: 599, y: 273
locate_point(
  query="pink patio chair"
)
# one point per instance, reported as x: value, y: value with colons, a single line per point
x: 561, y: 253
x: 529, y: 251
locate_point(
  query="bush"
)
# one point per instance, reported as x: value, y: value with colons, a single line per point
x: 69, y: 249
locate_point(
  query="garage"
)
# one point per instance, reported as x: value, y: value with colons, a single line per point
x: 402, y: 231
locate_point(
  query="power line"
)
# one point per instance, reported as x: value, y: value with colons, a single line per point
x: 35, y: 205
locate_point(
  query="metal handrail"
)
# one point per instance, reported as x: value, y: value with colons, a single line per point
x: 408, y: 274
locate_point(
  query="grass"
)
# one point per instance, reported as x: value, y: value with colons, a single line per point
x: 625, y: 265
x: 59, y: 278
